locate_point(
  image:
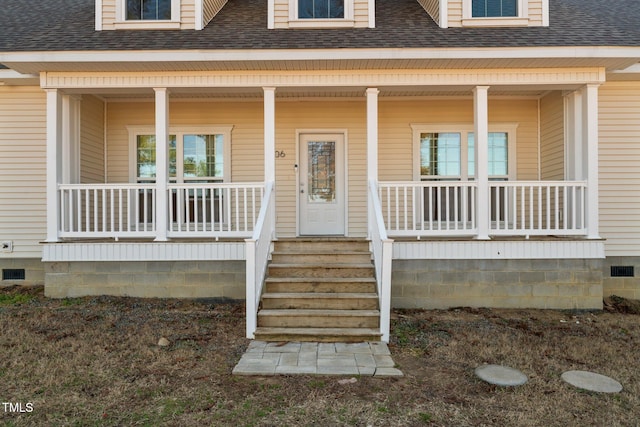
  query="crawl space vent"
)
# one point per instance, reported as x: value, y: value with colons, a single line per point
x: 13, y: 274
x: 622, y: 271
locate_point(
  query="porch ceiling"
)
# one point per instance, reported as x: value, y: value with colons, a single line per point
x: 286, y: 93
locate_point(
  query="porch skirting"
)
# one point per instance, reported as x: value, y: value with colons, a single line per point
x: 498, y: 283
x: 147, y: 279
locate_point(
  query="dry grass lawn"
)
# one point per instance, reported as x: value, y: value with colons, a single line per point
x: 96, y: 362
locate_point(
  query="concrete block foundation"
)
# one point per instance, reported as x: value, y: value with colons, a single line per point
x: 173, y: 279
x: 546, y: 284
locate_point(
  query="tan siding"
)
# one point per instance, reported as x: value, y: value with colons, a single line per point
x: 22, y: 169
x: 108, y: 14
x: 455, y: 13
x: 281, y: 13
x: 535, y: 12
x: 187, y: 14
x: 619, y: 141
x: 396, y: 136
x: 92, y: 140
x: 361, y: 13
x: 211, y: 9
x: 552, y: 136
x: 433, y: 9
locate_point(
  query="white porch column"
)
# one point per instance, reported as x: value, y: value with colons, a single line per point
x: 54, y: 162
x: 481, y: 135
x: 269, y: 133
x: 372, y: 134
x: 162, y: 163
x: 372, y: 144
x: 590, y: 165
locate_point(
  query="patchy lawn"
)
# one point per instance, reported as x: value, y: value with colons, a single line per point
x: 95, y: 362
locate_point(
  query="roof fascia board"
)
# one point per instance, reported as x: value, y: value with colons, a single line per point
x: 321, y: 54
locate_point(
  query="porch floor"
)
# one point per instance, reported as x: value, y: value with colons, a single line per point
x: 313, y: 358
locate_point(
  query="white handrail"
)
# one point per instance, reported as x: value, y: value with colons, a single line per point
x: 382, y: 248
x: 258, y: 249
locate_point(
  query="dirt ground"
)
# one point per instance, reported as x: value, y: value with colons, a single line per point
x: 95, y: 361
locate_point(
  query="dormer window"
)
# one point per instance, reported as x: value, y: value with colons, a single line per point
x: 494, y: 8
x: 320, y: 9
x: 142, y: 10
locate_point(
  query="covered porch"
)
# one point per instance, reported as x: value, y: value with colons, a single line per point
x: 386, y: 120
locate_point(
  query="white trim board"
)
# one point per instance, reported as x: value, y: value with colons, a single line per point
x: 499, y: 249
x: 143, y: 251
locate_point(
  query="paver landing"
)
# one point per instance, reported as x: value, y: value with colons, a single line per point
x: 311, y: 358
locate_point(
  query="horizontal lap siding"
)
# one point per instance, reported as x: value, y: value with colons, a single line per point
x: 455, y: 13
x: 396, y: 135
x: 552, y: 136
x: 92, y: 140
x: 187, y: 14
x: 22, y: 169
x: 535, y: 12
x: 361, y: 13
x: 619, y: 155
x: 108, y: 14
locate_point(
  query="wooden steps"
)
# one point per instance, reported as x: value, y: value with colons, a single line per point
x: 322, y: 290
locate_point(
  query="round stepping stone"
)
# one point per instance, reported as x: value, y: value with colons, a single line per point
x: 501, y: 375
x: 592, y: 381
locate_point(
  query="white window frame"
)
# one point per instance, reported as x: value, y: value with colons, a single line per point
x: 347, y: 21
x: 464, y: 129
x: 179, y: 131
x: 508, y: 21
x: 150, y: 24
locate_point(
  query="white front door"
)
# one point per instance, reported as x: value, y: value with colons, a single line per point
x: 322, y: 185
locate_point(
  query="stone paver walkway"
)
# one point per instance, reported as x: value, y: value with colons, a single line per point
x: 312, y: 358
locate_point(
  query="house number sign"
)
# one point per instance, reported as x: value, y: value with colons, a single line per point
x: 280, y: 154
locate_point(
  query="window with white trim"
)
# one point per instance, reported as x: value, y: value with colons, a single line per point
x: 320, y: 9
x: 195, y: 155
x: 140, y: 10
x: 494, y: 8
x: 447, y: 153
x: 321, y: 13
x: 147, y: 14
x: 495, y: 13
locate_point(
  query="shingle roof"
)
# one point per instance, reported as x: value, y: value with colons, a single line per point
x: 68, y: 25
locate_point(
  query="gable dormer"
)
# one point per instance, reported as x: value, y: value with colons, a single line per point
x: 156, y: 14
x: 488, y: 13
x: 321, y: 13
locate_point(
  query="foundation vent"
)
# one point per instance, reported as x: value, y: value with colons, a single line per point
x: 622, y: 271
x: 13, y: 274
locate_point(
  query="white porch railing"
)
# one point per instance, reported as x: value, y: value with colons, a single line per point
x: 207, y: 210
x: 107, y: 210
x: 538, y: 208
x: 429, y: 208
x: 382, y: 248
x: 516, y: 208
x: 258, y: 249
x: 214, y: 210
